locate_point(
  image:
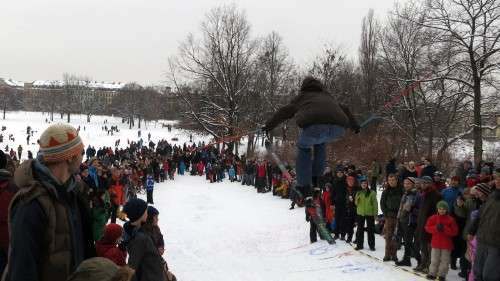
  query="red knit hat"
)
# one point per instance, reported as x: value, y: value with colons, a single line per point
x: 60, y: 142
x: 112, y: 232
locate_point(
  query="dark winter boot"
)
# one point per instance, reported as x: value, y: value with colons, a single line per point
x: 404, y: 262
x: 442, y: 278
x: 358, y: 248
x: 430, y: 277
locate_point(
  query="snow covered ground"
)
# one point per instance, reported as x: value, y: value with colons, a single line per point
x: 226, y: 231
x: 91, y: 133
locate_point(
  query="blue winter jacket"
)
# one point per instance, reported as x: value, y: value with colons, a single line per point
x: 150, y: 183
x: 450, y: 195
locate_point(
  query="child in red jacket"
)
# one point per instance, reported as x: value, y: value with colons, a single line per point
x: 442, y: 227
x: 108, y: 247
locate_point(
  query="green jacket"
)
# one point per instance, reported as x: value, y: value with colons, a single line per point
x: 366, y: 203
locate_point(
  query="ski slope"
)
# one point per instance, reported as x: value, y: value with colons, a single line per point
x: 226, y: 231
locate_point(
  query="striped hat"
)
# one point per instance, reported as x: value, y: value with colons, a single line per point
x: 60, y: 142
x: 483, y: 188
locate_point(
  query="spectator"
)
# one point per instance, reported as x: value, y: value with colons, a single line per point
x: 367, y: 209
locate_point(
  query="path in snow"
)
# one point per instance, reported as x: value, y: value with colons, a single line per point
x: 225, y: 231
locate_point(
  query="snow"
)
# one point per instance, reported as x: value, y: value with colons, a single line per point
x: 90, y: 84
x: 13, y: 83
x: 17, y: 122
x: 464, y: 149
x: 226, y: 231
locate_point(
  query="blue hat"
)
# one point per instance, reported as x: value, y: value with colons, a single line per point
x: 426, y: 179
x: 362, y: 178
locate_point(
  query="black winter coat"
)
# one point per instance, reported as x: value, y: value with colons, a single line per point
x: 427, y: 207
x: 144, y: 257
x: 339, y: 193
x: 313, y: 105
x: 390, y: 201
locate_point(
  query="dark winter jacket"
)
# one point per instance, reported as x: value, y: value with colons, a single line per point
x: 313, y: 105
x: 49, y: 224
x: 390, y: 201
x: 7, y: 191
x: 426, y: 207
x: 339, y: 194
x: 488, y: 225
x: 144, y: 257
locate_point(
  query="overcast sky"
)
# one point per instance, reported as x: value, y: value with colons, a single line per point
x: 130, y: 40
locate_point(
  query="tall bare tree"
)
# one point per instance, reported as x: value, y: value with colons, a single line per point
x: 221, y: 62
x: 368, y: 64
x: 471, y: 29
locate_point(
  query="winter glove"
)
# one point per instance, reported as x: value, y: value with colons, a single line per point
x: 440, y: 227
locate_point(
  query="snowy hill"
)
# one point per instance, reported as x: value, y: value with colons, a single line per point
x: 91, y: 133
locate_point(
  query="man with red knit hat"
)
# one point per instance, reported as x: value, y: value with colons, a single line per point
x: 49, y: 224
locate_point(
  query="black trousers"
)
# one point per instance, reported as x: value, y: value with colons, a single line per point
x: 370, y: 229
x: 313, y: 230
x: 114, y: 210
x: 150, y: 196
x: 410, y: 247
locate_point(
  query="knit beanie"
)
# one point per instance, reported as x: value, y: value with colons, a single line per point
x: 99, y: 268
x: 60, y: 142
x: 135, y: 208
x: 443, y: 205
x: 483, y: 188
x: 152, y: 211
x: 112, y: 232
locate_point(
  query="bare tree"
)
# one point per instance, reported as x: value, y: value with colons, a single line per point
x: 221, y: 64
x: 471, y: 29
x: 75, y: 89
x: 368, y: 61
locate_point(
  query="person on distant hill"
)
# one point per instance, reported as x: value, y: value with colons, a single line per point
x: 322, y: 120
x: 49, y: 210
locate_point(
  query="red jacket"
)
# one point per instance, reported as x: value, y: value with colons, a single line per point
x: 261, y: 171
x: 439, y: 186
x: 112, y: 252
x: 442, y: 240
x: 116, y: 193
x: 328, y: 213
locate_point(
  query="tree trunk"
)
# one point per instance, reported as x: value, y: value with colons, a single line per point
x: 62, y: 115
x: 88, y: 118
x: 4, y: 109
x: 69, y: 117
x: 477, y: 132
x: 139, y: 124
x: 250, y: 144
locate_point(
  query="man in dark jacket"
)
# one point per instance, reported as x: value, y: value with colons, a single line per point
x: 7, y: 191
x: 50, y: 226
x: 144, y: 256
x: 322, y: 120
x: 488, y: 238
x: 426, y: 202
x: 389, y: 204
x: 339, y: 195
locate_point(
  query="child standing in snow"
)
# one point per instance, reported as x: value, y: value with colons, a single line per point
x: 108, y: 247
x: 232, y: 173
x: 443, y: 228
x: 150, y: 184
